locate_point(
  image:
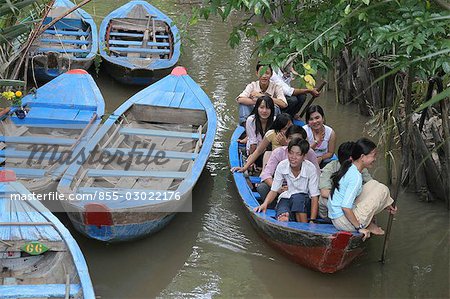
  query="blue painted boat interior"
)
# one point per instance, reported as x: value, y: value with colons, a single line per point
x: 70, y: 102
x: 124, y: 41
x: 24, y: 221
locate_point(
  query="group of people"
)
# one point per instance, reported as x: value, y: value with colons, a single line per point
x: 298, y: 166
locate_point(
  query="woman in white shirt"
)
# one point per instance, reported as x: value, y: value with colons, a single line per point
x: 321, y: 137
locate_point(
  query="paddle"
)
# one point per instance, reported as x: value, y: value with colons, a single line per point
x: 312, y: 98
x: 396, y: 182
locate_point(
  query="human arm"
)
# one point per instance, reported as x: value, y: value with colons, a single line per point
x: 298, y: 91
x: 330, y: 149
x: 250, y: 130
x: 249, y: 95
x: 269, y: 170
x: 314, y: 207
x: 252, y: 158
x: 278, y: 98
x: 276, y: 185
x: 313, y: 189
x: 269, y: 198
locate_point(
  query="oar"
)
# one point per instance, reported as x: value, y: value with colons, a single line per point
x: 396, y: 183
x: 312, y: 98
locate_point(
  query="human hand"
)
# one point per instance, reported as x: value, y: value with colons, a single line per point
x: 365, y: 232
x: 238, y: 169
x: 261, y: 208
x: 314, y: 92
x: 282, y: 189
x: 392, y: 210
x: 256, y: 94
x: 281, y: 138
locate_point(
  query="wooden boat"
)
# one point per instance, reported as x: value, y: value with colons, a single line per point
x: 62, y: 115
x: 173, y: 119
x: 71, y: 43
x: 39, y: 257
x: 138, y: 43
x: 317, y: 246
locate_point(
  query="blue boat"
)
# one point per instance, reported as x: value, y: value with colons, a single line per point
x: 39, y: 257
x: 71, y: 43
x: 62, y: 115
x: 154, y: 148
x: 318, y: 246
x: 138, y: 43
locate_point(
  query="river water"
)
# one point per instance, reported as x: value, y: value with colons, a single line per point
x: 214, y: 251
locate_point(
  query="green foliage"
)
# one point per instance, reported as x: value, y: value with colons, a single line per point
x: 311, y: 30
x: 17, y: 18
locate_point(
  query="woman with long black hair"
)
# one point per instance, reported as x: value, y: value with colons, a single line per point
x: 259, y: 122
x: 352, y: 206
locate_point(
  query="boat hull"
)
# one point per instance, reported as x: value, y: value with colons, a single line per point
x: 122, y: 232
x: 326, y: 254
x: 316, y: 246
x: 135, y: 76
x: 44, y: 72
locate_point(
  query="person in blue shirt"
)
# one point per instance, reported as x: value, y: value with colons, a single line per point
x: 352, y: 206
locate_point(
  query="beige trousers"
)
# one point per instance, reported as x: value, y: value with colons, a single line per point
x: 374, y: 198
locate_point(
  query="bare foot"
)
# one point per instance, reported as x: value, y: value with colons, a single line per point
x: 376, y: 230
x: 283, y: 217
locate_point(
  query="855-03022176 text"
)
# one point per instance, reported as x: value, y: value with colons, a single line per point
x: 102, y: 196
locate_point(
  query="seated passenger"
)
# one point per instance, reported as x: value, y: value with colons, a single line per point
x: 295, y: 97
x: 321, y: 137
x: 247, y: 99
x: 302, y: 185
x: 352, y: 206
x: 275, y: 137
x: 344, y: 153
x: 259, y: 122
x: 279, y: 155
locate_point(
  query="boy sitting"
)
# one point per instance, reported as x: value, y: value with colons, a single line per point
x: 302, y: 183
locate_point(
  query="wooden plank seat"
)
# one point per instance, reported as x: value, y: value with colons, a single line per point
x: 255, y: 179
x: 66, y: 32
x: 140, y: 50
x: 140, y: 35
x: 60, y: 106
x: 37, y: 140
x: 61, y: 50
x: 66, y: 23
x: 12, y: 153
x: 65, y: 41
x: 147, y: 153
x: 160, y: 133
x: 38, y: 291
x: 26, y: 172
x: 65, y: 116
x: 135, y: 173
x: 136, y: 43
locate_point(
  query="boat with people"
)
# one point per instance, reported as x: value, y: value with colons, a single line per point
x: 138, y: 43
x: 62, y: 115
x: 318, y: 246
x: 70, y: 43
x: 143, y: 162
x: 40, y: 258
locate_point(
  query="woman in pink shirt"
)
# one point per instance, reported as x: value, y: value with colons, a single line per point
x: 259, y: 122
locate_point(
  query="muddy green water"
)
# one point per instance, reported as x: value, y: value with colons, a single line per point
x: 214, y: 251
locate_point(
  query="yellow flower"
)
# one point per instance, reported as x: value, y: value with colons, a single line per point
x: 18, y: 93
x: 310, y: 80
x: 307, y: 66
